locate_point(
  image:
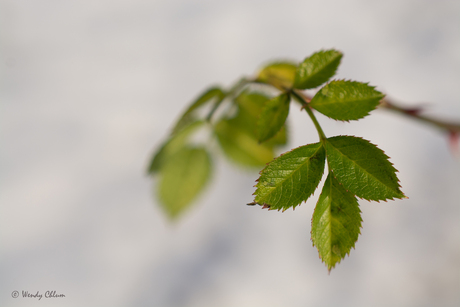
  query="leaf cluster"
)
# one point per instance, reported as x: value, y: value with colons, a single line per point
x: 252, y: 124
x: 183, y: 166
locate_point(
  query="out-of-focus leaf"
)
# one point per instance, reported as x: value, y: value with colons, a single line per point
x: 251, y: 106
x: 291, y: 178
x: 362, y: 168
x: 317, y: 69
x: 214, y: 93
x: 346, y: 100
x: 172, y: 145
x: 279, y: 74
x: 182, y: 178
x: 280, y: 138
x: 251, y: 103
x: 273, y: 116
x: 241, y: 146
x: 238, y: 138
x: 336, y: 222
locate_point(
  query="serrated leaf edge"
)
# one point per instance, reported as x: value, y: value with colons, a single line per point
x: 387, y: 158
x: 264, y: 205
x: 359, y: 231
x: 348, y: 80
x: 322, y: 50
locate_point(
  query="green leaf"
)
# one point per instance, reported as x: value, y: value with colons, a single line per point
x: 237, y: 136
x: 273, y: 116
x: 280, y: 138
x: 291, y: 178
x: 317, y: 69
x: 346, y: 100
x: 250, y: 106
x: 208, y: 96
x: 279, y: 74
x: 362, y: 168
x: 172, y: 145
x: 241, y: 146
x: 336, y: 222
x: 183, y: 177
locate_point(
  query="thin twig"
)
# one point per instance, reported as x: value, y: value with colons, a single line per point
x: 449, y: 127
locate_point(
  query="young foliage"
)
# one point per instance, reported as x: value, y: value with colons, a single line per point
x: 172, y: 145
x: 280, y: 74
x: 240, y: 145
x: 317, y: 69
x: 346, y: 100
x: 336, y: 222
x: 212, y: 94
x: 362, y: 168
x: 184, y: 175
x: 273, y: 116
x: 237, y: 135
x: 250, y: 125
x: 291, y: 178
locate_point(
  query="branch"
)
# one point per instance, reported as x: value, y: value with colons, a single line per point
x: 452, y: 128
x: 449, y: 127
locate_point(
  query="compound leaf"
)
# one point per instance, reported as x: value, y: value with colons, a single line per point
x: 291, y: 178
x: 240, y: 145
x: 172, y: 145
x: 317, y: 69
x: 346, y: 100
x: 362, y: 168
x: 273, y: 117
x: 208, y: 96
x: 336, y: 222
x: 279, y: 74
x: 183, y: 176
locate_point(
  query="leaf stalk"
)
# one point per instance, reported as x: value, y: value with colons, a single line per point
x: 232, y: 92
x: 304, y: 102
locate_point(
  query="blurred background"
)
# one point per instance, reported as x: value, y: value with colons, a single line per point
x: 89, y: 89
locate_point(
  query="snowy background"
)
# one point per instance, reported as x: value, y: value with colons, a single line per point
x: 88, y: 89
